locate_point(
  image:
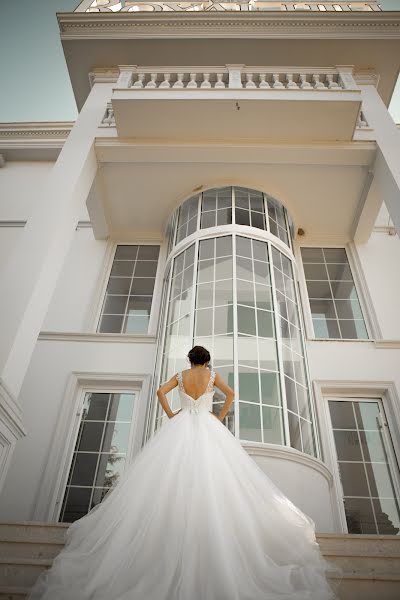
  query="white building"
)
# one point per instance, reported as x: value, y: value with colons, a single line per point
x: 232, y: 180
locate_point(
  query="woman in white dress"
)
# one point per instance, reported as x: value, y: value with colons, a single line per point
x: 192, y: 518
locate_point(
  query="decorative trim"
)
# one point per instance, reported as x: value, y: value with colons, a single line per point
x: 39, y: 129
x: 41, y: 140
x: 10, y: 411
x: 389, y: 229
x: 13, y: 223
x: 289, y: 454
x: 387, y: 344
x: 119, y: 338
x: 84, y: 225
x: 347, y: 25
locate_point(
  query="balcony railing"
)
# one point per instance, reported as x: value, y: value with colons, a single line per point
x: 94, y: 6
x: 237, y: 77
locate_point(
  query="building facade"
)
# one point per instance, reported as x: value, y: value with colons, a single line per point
x: 232, y: 180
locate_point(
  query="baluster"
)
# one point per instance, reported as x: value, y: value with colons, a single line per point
x: 249, y: 81
x: 304, y: 84
x: 165, y: 83
x: 277, y: 83
x: 139, y: 82
x: 108, y: 118
x: 192, y: 83
x: 361, y: 121
x: 263, y: 83
x: 153, y: 81
x: 206, y: 81
x: 332, y: 85
x: 219, y: 83
x: 179, y: 81
x: 318, y: 85
x: 291, y: 85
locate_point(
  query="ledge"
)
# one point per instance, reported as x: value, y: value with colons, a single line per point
x: 119, y: 338
x: 288, y: 453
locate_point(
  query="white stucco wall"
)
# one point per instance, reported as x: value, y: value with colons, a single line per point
x: 43, y: 395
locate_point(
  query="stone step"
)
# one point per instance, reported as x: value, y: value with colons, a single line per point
x: 11, y: 547
x: 371, y: 563
x: 35, y: 531
x: 13, y: 593
x: 22, y: 572
x: 360, y: 545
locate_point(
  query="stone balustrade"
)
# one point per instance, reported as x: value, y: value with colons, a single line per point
x: 237, y: 77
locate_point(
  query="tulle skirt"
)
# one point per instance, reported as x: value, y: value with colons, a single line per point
x: 192, y: 518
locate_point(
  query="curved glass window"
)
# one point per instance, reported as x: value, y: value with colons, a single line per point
x: 234, y: 292
x: 230, y: 206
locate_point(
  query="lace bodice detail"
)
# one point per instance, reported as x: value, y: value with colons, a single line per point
x: 203, y: 402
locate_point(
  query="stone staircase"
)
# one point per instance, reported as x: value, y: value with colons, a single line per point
x: 371, y: 563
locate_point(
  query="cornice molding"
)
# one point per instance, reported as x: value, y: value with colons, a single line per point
x: 31, y: 140
x: 349, y: 25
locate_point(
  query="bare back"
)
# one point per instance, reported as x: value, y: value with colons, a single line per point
x: 195, y: 381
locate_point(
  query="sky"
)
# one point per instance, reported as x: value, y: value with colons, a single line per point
x: 34, y: 76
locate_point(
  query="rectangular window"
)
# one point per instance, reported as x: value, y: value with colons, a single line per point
x: 335, y: 307
x: 129, y: 294
x: 100, y: 452
x: 367, y: 471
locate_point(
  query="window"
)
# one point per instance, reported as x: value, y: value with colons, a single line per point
x: 335, y: 307
x: 231, y: 205
x: 129, y: 294
x: 367, y: 471
x: 100, y: 452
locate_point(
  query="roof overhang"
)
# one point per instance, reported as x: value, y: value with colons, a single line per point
x: 367, y: 40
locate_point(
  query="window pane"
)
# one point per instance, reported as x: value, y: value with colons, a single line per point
x: 312, y: 255
x: 359, y: 515
x: 246, y: 320
x: 250, y: 422
x: 247, y: 351
x: 272, y: 425
x: 245, y: 292
x: 294, y: 430
x: 270, y: 388
x: 249, y: 385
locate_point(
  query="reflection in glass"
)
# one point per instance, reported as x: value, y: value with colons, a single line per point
x: 370, y: 501
x: 100, y: 452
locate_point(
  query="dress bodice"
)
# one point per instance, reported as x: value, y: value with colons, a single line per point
x: 203, y: 402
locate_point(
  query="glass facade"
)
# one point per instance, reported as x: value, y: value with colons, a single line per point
x: 232, y: 289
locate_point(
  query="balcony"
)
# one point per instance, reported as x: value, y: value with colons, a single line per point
x: 236, y: 103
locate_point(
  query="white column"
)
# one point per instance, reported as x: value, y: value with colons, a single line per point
x: 29, y: 278
x: 387, y: 164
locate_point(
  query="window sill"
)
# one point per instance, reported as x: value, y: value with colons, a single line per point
x: 66, y: 336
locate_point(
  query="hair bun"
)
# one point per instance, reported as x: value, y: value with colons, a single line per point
x: 199, y: 355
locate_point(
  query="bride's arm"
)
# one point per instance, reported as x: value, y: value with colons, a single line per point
x: 229, y: 393
x: 164, y: 389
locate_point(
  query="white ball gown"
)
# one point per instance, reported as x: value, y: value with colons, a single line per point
x: 193, y: 517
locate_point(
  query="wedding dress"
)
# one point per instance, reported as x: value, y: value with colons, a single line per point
x: 193, y: 517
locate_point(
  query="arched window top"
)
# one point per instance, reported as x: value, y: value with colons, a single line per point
x: 231, y: 205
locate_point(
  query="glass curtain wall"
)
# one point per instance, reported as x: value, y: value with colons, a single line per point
x: 232, y: 289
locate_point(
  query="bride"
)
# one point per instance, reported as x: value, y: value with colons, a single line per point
x: 192, y: 518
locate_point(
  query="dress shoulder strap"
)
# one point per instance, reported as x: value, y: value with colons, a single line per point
x: 179, y: 379
x: 210, y: 386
